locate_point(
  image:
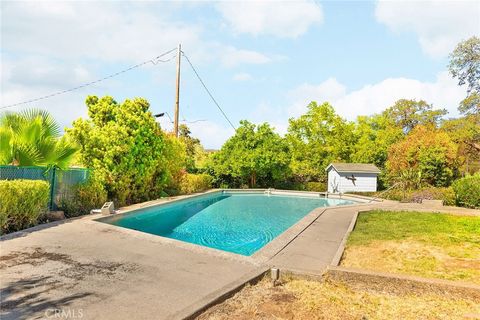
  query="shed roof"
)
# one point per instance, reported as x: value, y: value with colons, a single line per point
x: 354, y: 167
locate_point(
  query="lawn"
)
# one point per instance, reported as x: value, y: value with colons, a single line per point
x: 301, y: 299
x: 423, y: 244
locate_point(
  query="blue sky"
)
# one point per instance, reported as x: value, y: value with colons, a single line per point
x: 263, y: 61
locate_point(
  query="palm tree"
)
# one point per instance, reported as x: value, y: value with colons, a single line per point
x: 32, y: 137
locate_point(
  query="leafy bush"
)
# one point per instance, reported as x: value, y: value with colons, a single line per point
x: 85, y: 197
x: 316, y: 186
x: 428, y: 153
x: 394, y: 194
x: 467, y: 191
x: 432, y: 193
x: 22, y: 202
x: 429, y: 193
x: 364, y: 193
x: 125, y: 147
x: 191, y: 183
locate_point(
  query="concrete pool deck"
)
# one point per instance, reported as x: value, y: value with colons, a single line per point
x: 100, y: 271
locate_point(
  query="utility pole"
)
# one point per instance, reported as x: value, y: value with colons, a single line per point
x: 177, y: 98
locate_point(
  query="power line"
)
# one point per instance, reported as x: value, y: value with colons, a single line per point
x: 153, y: 61
x: 194, y: 121
x: 168, y: 115
x: 208, y: 91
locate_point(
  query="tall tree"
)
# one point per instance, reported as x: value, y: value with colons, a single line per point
x: 317, y: 138
x: 191, y: 145
x: 426, y: 152
x: 409, y: 113
x: 465, y: 66
x: 465, y: 132
x: 375, y: 134
x: 124, y: 146
x: 255, y: 155
x: 32, y: 138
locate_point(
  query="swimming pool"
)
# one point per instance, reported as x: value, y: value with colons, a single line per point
x: 241, y: 223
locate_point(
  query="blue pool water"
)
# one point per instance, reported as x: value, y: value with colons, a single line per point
x: 238, y: 223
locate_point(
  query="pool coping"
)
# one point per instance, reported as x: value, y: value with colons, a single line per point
x: 258, y: 258
x: 194, y: 310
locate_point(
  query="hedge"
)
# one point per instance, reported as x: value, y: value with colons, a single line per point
x: 84, y: 197
x: 22, y: 203
x: 191, y: 183
x: 467, y: 191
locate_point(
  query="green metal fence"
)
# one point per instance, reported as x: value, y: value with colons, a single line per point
x: 61, y: 181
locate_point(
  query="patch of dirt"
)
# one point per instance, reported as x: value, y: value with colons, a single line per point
x: 335, y: 299
x: 71, y: 268
x: 40, y: 279
x: 283, y: 297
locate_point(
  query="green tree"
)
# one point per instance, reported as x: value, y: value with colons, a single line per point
x: 191, y: 145
x: 317, y: 138
x: 201, y: 158
x: 32, y: 138
x: 465, y: 66
x: 176, y: 160
x: 255, y: 155
x: 124, y: 146
x: 427, y: 153
x: 407, y: 114
x: 471, y: 104
x: 465, y: 132
x: 375, y: 134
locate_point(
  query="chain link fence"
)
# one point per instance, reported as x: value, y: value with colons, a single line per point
x: 61, y: 181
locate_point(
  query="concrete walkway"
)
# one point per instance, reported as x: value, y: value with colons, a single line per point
x: 85, y: 267
x: 314, y: 249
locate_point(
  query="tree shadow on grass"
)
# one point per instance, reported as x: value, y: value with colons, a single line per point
x: 29, y: 299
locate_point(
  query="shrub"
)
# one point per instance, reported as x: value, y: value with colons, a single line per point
x: 191, y: 183
x: 429, y: 193
x: 316, y: 186
x: 429, y: 153
x: 395, y: 194
x: 84, y: 197
x: 467, y: 191
x: 432, y: 193
x: 125, y: 147
x: 364, y: 193
x: 22, y: 202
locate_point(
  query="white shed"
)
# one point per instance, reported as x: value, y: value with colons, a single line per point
x: 352, y: 177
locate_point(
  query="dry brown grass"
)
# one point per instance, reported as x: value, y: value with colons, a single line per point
x: 452, y: 262
x: 310, y: 299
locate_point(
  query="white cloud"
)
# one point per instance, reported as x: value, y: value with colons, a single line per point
x: 439, y: 25
x: 63, y: 108
x: 211, y: 134
x: 282, y: 19
x: 276, y: 116
x: 329, y: 90
x: 233, y: 57
x: 370, y: 99
x: 242, y: 76
x: 106, y: 31
x: 97, y: 30
x: 39, y: 71
x: 374, y: 98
